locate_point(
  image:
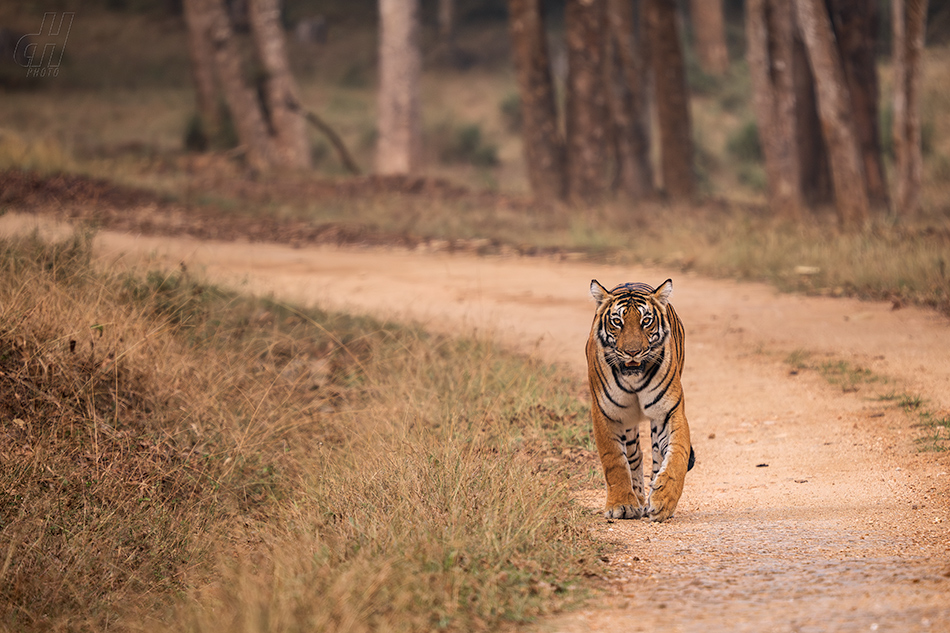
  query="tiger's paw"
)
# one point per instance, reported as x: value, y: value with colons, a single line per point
x: 626, y: 506
x: 664, y: 496
x: 624, y: 511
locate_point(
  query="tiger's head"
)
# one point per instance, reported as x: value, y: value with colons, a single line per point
x: 633, y: 324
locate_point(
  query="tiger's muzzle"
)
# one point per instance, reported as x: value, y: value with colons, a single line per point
x: 632, y: 363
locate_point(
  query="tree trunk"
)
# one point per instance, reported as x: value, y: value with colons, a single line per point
x: 586, y: 103
x: 399, y: 146
x: 202, y: 67
x: 812, y: 160
x: 447, y: 25
x: 627, y: 99
x: 709, y: 36
x: 770, y: 39
x: 672, y: 99
x: 242, y: 100
x: 855, y: 26
x: 647, y: 89
x: 287, y: 120
x: 834, y: 109
x: 543, y: 146
x: 909, y: 21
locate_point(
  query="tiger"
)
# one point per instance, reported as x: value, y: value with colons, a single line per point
x: 635, y: 355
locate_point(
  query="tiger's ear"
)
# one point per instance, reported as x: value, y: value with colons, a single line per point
x: 598, y: 292
x: 662, y: 294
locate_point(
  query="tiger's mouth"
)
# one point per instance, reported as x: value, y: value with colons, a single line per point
x: 627, y: 363
x: 631, y: 366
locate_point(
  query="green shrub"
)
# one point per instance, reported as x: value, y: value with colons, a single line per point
x: 465, y: 145
x: 195, y: 138
x: 511, y: 112
x: 744, y: 143
x: 356, y: 75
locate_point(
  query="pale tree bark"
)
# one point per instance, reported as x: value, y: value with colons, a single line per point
x: 855, y: 26
x: 627, y: 99
x: 909, y: 21
x: 399, y: 145
x: 543, y: 145
x: 709, y: 35
x: 672, y: 100
x: 586, y: 104
x: 289, y: 126
x: 769, y: 48
x: 202, y: 67
x: 834, y: 109
x: 242, y: 100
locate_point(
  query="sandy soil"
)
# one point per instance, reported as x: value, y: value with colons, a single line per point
x: 810, y: 509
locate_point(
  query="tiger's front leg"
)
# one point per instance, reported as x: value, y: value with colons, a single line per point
x: 622, y: 460
x: 671, y: 453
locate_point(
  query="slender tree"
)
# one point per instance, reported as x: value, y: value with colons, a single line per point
x: 242, y: 101
x: 202, y: 67
x: 399, y: 145
x: 446, y: 15
x: 286, y: 115
x: 672, y: 99
x: 626, y: 82
x: 855, y: 24
x: 909, y: 20
x: 770, y: 42
x: 586, y: 103
x: 834, y: 109
x: 709, y: 35
x: 543, y: 145
x: 814, y: 169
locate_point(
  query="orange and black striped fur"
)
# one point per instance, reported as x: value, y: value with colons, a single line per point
x: 634, y: 362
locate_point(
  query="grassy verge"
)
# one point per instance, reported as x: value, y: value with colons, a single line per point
x: 902, y: 262
x: 841, y: 373
x: 933, y: 426
x: 177, y: 457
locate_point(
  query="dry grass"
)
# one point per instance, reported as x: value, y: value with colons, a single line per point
x: 43, y: 155
x: 180, y: 458
x: 905, y: 262
x: 902, y: 262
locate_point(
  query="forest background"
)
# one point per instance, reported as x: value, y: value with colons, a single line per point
x: 577, y: 129
x: 198, y: 452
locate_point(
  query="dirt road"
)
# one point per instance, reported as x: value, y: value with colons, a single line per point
x: 810, y: 509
